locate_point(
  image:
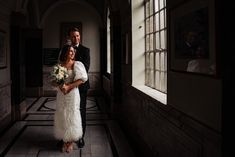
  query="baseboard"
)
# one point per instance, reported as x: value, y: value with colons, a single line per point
x: 5, y: 123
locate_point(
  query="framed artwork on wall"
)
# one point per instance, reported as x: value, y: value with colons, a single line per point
x: 3, y: 52
x: 192, y: 38
x: 64, y: 28
x: 50, y: 56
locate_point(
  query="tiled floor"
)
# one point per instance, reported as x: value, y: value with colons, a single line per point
x: 33, y: 136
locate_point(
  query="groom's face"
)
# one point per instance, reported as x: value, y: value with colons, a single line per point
x: 75, y: 37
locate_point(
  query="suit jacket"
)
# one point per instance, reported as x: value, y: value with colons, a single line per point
x: 83, y: 55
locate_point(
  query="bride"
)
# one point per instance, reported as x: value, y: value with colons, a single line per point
x: 67, y: 118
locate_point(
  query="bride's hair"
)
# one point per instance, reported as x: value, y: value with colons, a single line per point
x: 64, y: 54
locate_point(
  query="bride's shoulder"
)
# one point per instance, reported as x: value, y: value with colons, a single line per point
x: 78, y: 64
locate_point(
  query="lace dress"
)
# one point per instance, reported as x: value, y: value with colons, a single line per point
x: 67, y: 118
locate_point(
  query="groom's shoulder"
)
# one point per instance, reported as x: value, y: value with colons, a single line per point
x: 84, y: 47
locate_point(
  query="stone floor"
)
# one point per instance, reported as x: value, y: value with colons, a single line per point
x: 33, y: 136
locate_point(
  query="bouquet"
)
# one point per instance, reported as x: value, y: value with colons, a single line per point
x: 58, y: 75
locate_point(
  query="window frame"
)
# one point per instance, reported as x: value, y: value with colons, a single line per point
x: 155, y: 69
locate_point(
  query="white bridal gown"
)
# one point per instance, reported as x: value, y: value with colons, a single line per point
x: 67, y: 118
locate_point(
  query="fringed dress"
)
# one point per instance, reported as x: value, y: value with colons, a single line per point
x: 67, y: 118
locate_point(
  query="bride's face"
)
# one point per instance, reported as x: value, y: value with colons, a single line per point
x: 71, y: 53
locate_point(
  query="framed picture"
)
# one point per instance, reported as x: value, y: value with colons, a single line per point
x: 3, y: 53
x: 64, y: 28
x: 192, y: 38
x: 50, y: 56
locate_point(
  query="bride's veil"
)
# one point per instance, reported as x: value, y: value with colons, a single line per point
x: 58, y: 59
x: 68, y: 42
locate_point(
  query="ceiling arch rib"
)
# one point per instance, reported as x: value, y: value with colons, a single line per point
x: 21, y: 6
x: 50, y: 8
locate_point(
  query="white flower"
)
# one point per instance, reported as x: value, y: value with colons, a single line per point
x: 58, y: 75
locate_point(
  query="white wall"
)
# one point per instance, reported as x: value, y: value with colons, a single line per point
x: 138, y: 42
x: 5, y: 10
x: 5, y: 80
x: 74, y: 12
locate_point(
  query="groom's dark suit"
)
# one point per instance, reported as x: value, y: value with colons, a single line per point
x: 83, y: 55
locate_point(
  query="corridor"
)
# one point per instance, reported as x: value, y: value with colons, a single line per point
x: 151, y: 94
x: 33, y: 136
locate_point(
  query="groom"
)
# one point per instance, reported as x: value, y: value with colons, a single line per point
x: 82, y: 55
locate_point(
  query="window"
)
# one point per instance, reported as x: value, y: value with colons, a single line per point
x: 149, y: 48
x: 108, y: 44
x: 155, y: 44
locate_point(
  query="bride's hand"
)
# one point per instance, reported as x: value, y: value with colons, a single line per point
x: 65, y: 89
x: 62, y: 89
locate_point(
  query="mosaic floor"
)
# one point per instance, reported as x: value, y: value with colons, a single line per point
x: 33, y: 136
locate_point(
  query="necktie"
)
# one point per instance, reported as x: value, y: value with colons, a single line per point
x: 75, y: 48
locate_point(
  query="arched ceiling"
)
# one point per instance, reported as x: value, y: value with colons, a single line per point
x: 44, y: 5
x: 41, y: 7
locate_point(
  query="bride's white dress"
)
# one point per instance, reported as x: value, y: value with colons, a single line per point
x: 67, y: 118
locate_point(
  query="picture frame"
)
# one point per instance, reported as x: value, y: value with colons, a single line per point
x: 3, y: 52
x: 192, y: 38
x: 50, y: 56
x: 64, y: 28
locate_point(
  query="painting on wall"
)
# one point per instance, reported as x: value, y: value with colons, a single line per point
x: 3, y: 53
x: 192, y: 38
x: 64, y: 28
x: 50, y: 56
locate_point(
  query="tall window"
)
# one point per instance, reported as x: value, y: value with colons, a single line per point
x: 155, y: 45
x: 108, y: 43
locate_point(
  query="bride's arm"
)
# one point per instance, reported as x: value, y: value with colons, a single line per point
x: 80, y: 77
x: 72, y: 85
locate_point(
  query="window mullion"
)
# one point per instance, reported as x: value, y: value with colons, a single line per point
x: 154, y: 44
